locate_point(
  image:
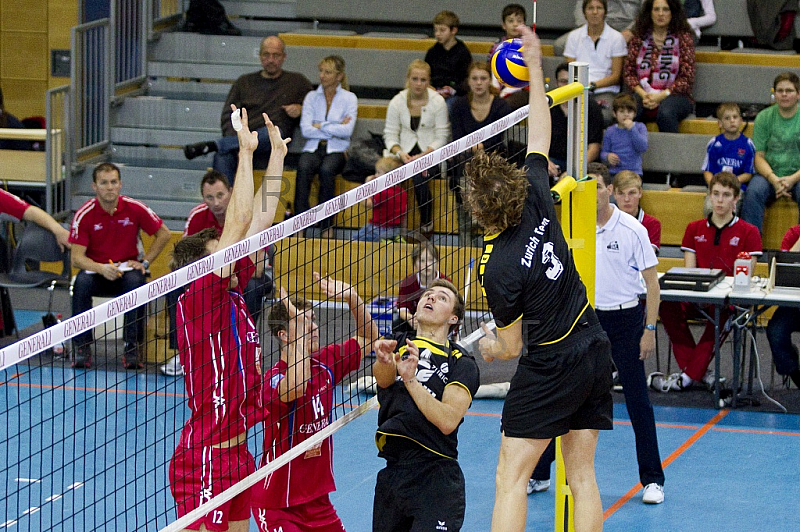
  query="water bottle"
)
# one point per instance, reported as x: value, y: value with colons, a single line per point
x: 58, y: 349
x: 742, y: 272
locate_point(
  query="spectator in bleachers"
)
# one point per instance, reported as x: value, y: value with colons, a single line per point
x: 626, y: 141
x: 416, y: 125
x: 104, y: 237
x: 557, y: 164
x: 388, y: 206
x: 700, y: 14
x: 620, y: 15
x: 513, y: 16
x: 730, y: 151
x: 479, y: 108
x: 272, y: 90
x: 604, y: 49
x: 449, y: 58
x: 714, y: 242
x: 777, y: 161
x: 327, y: 121
x: 784, y: 322
x: 628, y: 193
x: 425, y: 258
x: 660, y: 67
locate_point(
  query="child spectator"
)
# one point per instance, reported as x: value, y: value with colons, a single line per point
x: 426, y: 270
x: 628, y: 193
x: 449, y: 58
x: 388, y: 207
x: 626, y: 141
x: 514, y: 15
x: 730, y: 151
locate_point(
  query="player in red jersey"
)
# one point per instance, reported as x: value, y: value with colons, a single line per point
x: 299, y: 392
x: 219, y: 350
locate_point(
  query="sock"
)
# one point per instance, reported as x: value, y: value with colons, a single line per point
x: 686, y: 380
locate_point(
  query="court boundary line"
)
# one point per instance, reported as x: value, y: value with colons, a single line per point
x: 682, y: 448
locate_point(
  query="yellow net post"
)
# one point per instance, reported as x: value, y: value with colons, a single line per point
x: 578, y: 219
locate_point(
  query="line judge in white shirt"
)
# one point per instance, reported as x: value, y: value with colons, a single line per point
x: 623, y: 254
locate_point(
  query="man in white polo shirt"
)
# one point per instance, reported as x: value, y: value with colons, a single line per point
x: 623, y: 253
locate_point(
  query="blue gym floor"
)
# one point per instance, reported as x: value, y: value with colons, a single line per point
x: 725, y: 470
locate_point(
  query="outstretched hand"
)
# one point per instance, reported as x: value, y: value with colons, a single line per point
x: 288, y: 303
x: 384, y: 350
x: 248, y: 140
x: 279, y: 144
x: 333, y: 288
x: 531, y: 47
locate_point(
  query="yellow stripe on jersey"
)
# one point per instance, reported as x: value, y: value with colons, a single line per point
x: 570, y: 328
x: 382, y: 436
x: 425, y: 343
x: 546, y: 158
x: 462, y: 385
x: 504, y: 327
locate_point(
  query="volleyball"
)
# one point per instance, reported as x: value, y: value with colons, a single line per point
x: 508, y: 66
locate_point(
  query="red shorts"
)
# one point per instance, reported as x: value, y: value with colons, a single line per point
x: 317, y: 515
x: 196, y: 475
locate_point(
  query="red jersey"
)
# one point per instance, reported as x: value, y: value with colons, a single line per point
x: 410, y: 291
x: 718, y: 247
x: 389, y: 207
x: 790, y: 238
x: 310, y: 475
x: 12, y: 206
x: 221, y: 358
x: 653, y: 227
x: 201, y: 218
x: 112, y: 237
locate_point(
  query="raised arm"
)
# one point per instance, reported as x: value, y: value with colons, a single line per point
x: 366, y: 329
x: 539, y: 113
x: 265, y: 202
x: 240, y: 207
x: 298, y: 359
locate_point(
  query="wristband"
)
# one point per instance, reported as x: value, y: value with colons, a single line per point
x: 592, y: 86
x: 650, y: 327
x: 145, y: 264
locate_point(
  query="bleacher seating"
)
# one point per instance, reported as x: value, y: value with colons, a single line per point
x: 189, y: 76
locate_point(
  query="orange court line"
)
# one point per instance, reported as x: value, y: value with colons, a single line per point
x: 671, y: 458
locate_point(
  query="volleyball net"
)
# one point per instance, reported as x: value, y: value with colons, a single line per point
x: 92, y: 449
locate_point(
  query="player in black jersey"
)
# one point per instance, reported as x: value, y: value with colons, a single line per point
x: 562, y: 386
x: 425, y: 386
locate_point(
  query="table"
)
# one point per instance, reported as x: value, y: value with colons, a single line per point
x: 717, y: 298
x: 760, y: 300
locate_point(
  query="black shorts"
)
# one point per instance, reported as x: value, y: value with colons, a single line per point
x: 419, y: 496
x: 564, y: 388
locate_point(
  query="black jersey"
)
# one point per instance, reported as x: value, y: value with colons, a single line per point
x: 527, y: 272
x: 440, y: 365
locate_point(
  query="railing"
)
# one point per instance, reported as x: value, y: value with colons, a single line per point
x: 128, y: 33
x: 58, y: 153
x: 90, y: 87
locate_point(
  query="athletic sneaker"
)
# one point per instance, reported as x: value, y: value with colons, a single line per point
x: 83, y: 357
x: 663, y: 383
x: 616, y: 385
x: 708, y: 380
x: 172, y: 368
x: 653, y: 494
x: 538, y: 486
x: 130, y: 357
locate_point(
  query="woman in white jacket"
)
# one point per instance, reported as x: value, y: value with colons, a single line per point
x: 328, y: 119
x: 417, y: 124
